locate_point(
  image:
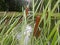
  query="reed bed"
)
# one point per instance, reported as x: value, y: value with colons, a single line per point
x: 13, y: 26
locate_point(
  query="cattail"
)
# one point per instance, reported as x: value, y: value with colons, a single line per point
x: 36, y: 31
x: 27, y: 9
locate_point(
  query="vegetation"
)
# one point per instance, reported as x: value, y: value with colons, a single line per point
x: 12, y: 26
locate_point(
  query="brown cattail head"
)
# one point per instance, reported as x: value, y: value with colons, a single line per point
x: 27, y: 9
x: 36, y: 32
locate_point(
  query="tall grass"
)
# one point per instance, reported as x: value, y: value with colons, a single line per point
x: 12, y: 27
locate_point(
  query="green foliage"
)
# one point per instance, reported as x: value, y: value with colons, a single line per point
x: 49, y: 30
